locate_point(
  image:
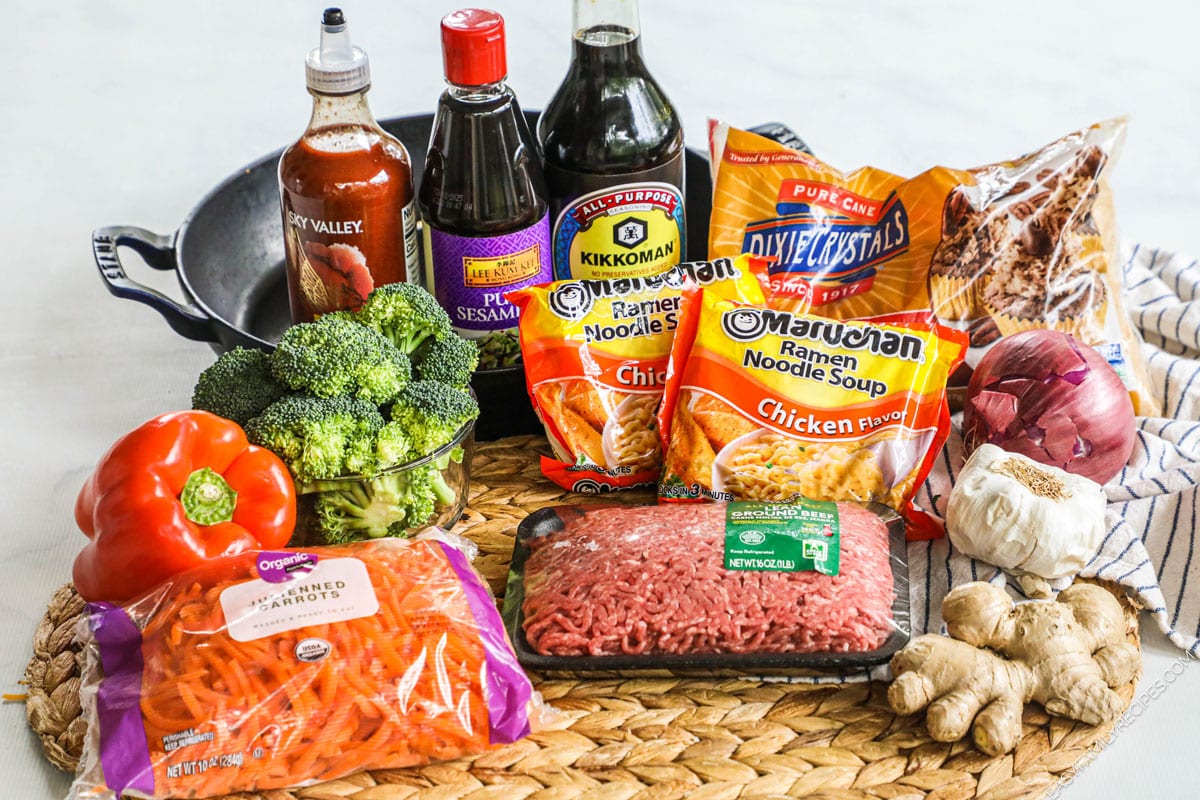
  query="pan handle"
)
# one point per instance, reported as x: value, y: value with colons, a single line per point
x: 159, y: 252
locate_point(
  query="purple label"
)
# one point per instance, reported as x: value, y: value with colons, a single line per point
x: 281, y: 567
x: 124, y: 754
x: 472, y: 273
x: 507, y: 688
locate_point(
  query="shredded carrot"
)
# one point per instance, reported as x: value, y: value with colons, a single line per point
x: 224, y: 716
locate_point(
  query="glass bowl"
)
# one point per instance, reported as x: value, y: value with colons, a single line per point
x: 397, y: 501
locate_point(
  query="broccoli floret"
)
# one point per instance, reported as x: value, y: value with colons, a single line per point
x: 394, y: 445
x: 319, y: 437
x: 406, y: 314
x: 390, y: 505
x: 349, y: 316
x: 499, y: 349
x: 333, y: 357
x: 431, y: 413
x: 237, y: 386
x: 450, y: 359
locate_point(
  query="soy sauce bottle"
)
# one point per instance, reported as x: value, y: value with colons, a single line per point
x: 482, y: 194
x: 613, y: 153
x: 345, y: 188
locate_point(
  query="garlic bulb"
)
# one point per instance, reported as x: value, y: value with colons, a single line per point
x: 1025, y: 517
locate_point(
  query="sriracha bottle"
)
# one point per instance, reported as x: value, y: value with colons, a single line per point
x: 614, y: 154
x: 346, y: 189
x: 482, y: 196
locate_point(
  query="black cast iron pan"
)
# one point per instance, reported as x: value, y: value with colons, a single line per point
x: 228, y: 256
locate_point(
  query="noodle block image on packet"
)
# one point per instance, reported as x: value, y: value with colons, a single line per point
x: 595, y: 354
x: 267, y: 670
x: 767, y: 404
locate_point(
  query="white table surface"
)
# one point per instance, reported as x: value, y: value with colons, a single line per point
x: 128, y: 112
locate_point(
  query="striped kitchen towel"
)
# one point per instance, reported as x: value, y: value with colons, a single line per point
x: 1150, y: 546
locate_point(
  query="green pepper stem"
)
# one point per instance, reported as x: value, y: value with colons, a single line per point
x: 207, y: 498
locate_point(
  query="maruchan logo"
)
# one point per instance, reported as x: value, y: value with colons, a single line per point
x: 749, y: 324
x: 571, y: 300
x: 744, y: 324
x: 575, y: 299
x: 589, y: 486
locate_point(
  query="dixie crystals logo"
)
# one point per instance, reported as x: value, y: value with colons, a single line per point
x: 827, y: 242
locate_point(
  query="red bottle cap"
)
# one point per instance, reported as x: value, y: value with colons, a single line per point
x: 473, y: 47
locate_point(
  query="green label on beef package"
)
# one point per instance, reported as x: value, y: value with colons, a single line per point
x: 782, y: 537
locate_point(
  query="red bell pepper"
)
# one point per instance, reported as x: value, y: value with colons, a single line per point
x: 183, y: 488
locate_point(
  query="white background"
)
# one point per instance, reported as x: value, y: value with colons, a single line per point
x: 128, y: 112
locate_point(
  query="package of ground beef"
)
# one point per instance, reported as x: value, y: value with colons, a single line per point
x: 742, y: 586
x: 992, y: 250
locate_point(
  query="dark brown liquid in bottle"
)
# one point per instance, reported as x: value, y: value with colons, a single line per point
x: 487, y: 227
x: 482, y: 175
x: 608, y: 118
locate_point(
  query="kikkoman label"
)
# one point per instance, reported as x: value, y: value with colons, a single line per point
x: 783, y: 537
x: 620, y: 232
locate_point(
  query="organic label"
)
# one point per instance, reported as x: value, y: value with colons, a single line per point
x: 334, y: 590
x: 782, y: 537
x: 631, y: 230
x: 280, y: 567
x: 313, y: 650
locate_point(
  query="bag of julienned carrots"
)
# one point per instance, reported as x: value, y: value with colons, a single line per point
x: 767, y: 404
x: 275, y: 669
x: 595, y: 354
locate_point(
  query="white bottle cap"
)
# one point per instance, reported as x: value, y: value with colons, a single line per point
x: 337, y: 66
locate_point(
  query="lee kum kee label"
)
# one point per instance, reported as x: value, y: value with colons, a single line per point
x: 470, y: 274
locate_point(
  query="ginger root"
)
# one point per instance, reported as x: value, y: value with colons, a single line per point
x: 1065, y: 654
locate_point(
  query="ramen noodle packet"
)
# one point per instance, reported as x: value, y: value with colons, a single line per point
x: 1028, y: 243
x: 773, y: 405
x: 595, y: 354
x: 273, y: 669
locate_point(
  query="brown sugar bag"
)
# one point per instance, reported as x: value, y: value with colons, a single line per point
x: 994, y: 250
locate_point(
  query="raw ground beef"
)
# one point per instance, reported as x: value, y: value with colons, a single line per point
x: 651, y: 580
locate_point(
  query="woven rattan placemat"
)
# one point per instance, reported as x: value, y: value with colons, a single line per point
x: 645, y: 738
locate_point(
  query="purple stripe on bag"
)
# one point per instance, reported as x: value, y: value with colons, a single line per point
x: 124, y: 755
x: 508, y: 688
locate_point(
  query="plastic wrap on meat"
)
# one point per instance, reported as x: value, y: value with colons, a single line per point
x: 644, y: 580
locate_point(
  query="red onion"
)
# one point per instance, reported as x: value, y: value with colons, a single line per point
x: 1045, y: 395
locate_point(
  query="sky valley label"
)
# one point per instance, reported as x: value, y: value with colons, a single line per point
x: 619, y: 232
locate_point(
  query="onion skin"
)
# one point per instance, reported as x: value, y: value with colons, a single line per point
x: 1043, y: 394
